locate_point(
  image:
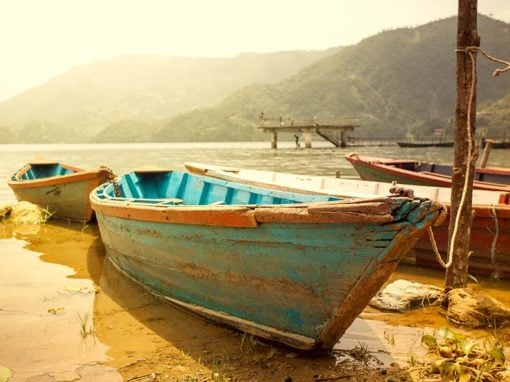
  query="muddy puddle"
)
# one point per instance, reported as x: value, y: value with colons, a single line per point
x: 66, y: 314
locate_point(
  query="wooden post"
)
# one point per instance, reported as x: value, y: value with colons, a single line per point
x: 343, y: 139
x: 463, y: 163
x: 274, y: 140
x: 308, y: 139
x: 486, y: 152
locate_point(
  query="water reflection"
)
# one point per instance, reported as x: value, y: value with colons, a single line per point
x: 39, y: 331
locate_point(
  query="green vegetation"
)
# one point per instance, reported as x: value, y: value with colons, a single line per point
x: 85, y: 328
x: 395, y: 83
x: 494, y: 118
x: 457, y: 358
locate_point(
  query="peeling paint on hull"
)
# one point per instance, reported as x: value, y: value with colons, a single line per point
x: 295, y: 281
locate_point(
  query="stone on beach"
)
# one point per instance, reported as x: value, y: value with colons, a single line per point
x: 471, y: 309
x: 403, y: 295
x: 25, y: 213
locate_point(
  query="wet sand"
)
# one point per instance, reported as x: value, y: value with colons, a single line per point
x: 61, y: 265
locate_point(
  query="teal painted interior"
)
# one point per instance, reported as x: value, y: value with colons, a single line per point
x: 40, y: 171
x: 158, y: 187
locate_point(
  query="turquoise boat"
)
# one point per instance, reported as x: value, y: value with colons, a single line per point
x: 62, y: 189
x: 289, y: 267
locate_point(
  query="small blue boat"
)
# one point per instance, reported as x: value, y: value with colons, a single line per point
x: 62, y: 189
x: 288, y: 267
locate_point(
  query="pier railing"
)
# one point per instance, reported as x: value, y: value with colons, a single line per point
x: 325, y: 127
x: 314, y: 121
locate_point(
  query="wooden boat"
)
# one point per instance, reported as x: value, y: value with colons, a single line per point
x: 424, y: 144
x: 490, y: 235
x: 495, y: 144
x: 289, y: 267
x: 63, y: 190
x: 501, y: 145
x: 405, y: 171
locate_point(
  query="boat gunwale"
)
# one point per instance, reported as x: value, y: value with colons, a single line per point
x: 83, y: 175
x: 388, y: 168
x: 235, y: 175
x: 390, y: 161
x: 236, y: 215
x: 377, y: 210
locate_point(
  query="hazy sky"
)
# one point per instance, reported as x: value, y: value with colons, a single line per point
x: 40, y: 39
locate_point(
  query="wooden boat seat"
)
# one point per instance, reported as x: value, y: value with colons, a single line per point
x: 395, y: 162
x: 29, y: 175
x: 436, y: 174
x: 171, y: 201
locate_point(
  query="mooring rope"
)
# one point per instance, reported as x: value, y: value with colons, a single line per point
x: 436, y: 251
x: 470, y: 157
x: 498, y: 71
x: 495, y: 273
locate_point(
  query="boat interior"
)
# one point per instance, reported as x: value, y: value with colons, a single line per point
x: 482, y: 175
x: 182, y: 188
x: 38, y: 171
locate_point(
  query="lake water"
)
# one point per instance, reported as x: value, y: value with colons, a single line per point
x: 54, y: 276
x: 322, y: 159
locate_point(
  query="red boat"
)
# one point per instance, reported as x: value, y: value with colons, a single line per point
x: 410, y: 171
x: 490, y: 230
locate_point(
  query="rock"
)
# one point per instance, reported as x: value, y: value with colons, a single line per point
x: 403, y: 295
x: 28, y: 213
x: 472, y: 309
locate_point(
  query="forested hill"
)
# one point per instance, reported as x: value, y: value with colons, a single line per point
x: 396, y: 82
x: 140, y: 91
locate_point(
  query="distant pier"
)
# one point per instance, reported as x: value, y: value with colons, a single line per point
x: 334, y: 131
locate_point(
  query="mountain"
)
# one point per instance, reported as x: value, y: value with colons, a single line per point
x: 493, y: 119
x: 90, y: 100
x: 395, y: 82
